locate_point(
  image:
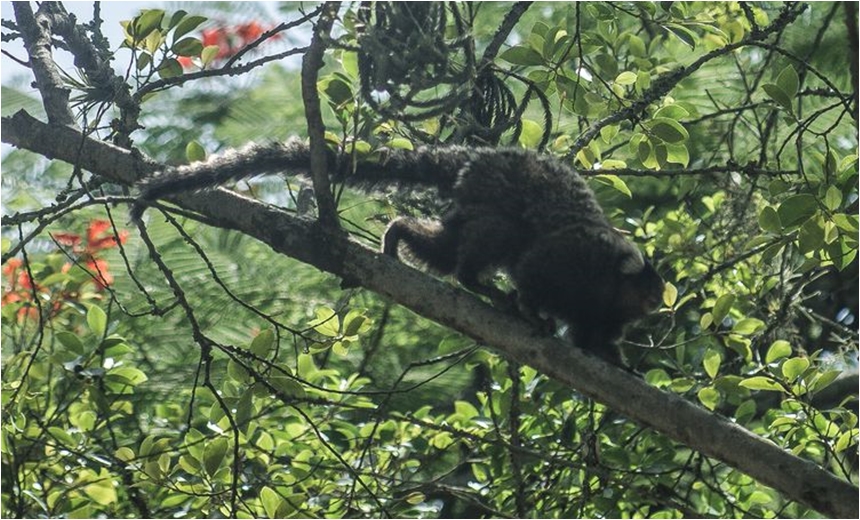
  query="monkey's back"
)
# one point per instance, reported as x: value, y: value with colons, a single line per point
x: 522, y: 185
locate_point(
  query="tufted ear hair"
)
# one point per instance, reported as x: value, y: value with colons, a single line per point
x: 632, y: 263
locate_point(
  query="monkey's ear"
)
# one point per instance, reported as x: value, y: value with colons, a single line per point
x: 632, y: 263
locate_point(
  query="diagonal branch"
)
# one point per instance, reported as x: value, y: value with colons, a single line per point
x: 333, y: 252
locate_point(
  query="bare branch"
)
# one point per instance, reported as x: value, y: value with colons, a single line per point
x: 311, y: 64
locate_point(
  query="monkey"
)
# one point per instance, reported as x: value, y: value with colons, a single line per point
x: 511, y: 210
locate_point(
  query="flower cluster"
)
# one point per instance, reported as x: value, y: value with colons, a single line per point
x: 19, y: 287
x: 98, y: 238
x: 229, y: 40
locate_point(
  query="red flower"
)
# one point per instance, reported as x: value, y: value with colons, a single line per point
x: 229, y: 40
x: 96, y: 243
x: 249, y: 32
x: 99, y: 267
x: 19, y: 288
x: 67, y: 239
x: 99, y: 237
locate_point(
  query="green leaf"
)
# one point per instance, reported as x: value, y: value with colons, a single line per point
x: 414, y: 498
x: 349, y: 62
x: 209, y: 53
x: 169, y: 69
x: 531, y: 134
x: 153, y: 42
x: 712, y: 362
x: 244, y: 410
x: 668, y: 130
x: 124, y: 454
x: 102, y: 491
x: 657, y: 377
x: 271, y: 501
x: 615, y: 182
x: 327, y: 323
x: 685, y: 35
x: 778, y: 349
x: 748, y: 326
x: 213, y: 455
x: 337, y: 90
x: 794, y: 368
x: 797, y: 209
x: 788, y: 81
x: 400, y: 143
x: 146, y: 446
x: 522, y: 55
x: 626, y: 78
x: 613, y: 164
x: 637, y: 46
x: 608, y: 132
x: 761, y: 383
x: 62, y: 436
x: 465, y: 410
x: 126, y: 375
x: 778, y: 95
x: 237, y: 372
x: 70, y: 341
x: 263, y: 343
x: 677, y: 154
x: 143, y: 61
x: 670, y: 294
x: 176, y: 18
x: 288, y: 386
x: 811, y: 236
x: 768, y: 220
x: 823, y: 380
x: 355, y: 323
x: 722, y: 307
x: 833, y: 198
x: 194, y: 152
x: 190, y: 47
x: 846, y: 222
x: 643, y: 81
x: 745, y: 411
x: 187, y: 25
x: 844, y: 440
x: 676, y: 112
x: 96, y: 320
x: 709, y: 397
x: 143, y: 25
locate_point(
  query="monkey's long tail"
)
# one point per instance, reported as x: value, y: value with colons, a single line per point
x: 423, y: 166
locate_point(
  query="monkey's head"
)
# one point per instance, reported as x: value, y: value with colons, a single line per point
x: 640, y: 289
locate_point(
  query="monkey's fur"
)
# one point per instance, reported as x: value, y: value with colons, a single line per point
x: 512, y: 209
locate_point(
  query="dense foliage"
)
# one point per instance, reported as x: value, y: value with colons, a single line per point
x: 180, y: 369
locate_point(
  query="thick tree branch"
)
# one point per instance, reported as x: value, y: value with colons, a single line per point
x: 712, y: 435
x: 36, y: 32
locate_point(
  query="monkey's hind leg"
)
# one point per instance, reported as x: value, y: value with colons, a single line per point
x: 432, y: 243
x: 488, y: 242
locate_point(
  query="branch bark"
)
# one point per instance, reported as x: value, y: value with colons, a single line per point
x: 36, y: 32
x: 312, y: 62
x: 333, y: 252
